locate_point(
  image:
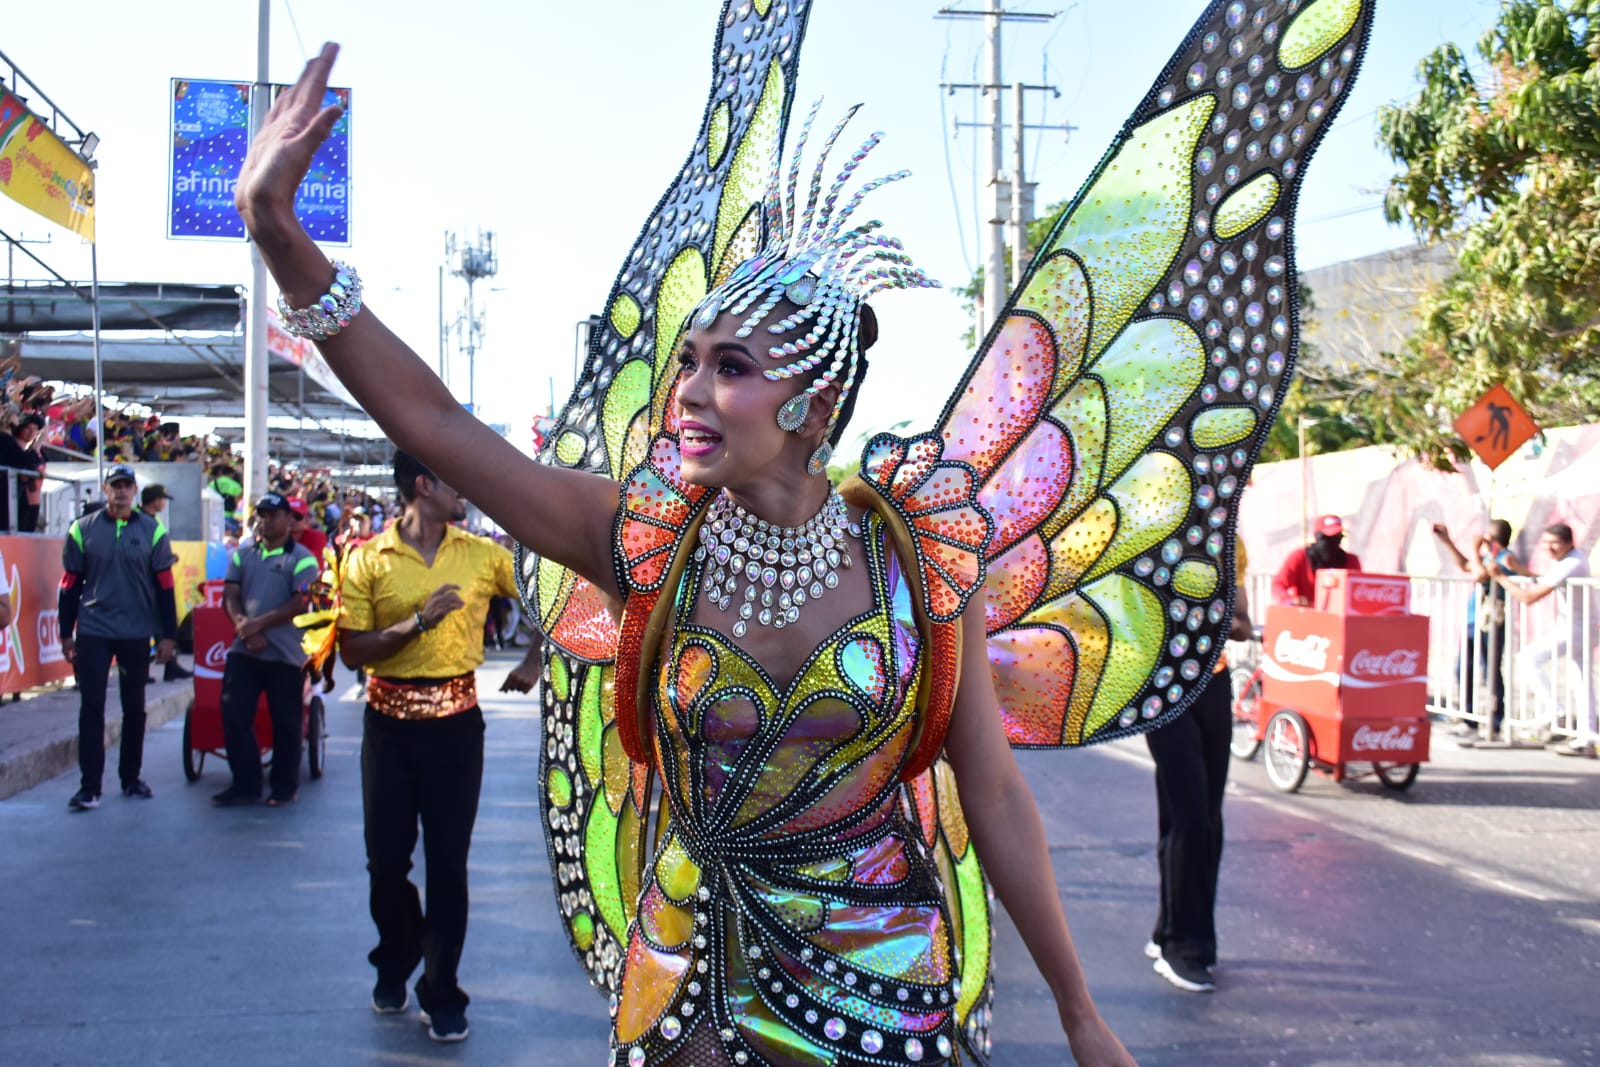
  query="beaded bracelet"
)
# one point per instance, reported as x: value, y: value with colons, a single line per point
x: 331, y: 313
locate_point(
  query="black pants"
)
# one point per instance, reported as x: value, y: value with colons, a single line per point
x: 425, y: 771
x: 1191, y: 755
x: 92, y: 668
x: 244, y: 679
x: 1475, y: 659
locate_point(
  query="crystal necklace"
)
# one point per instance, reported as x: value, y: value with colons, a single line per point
x: 779, y: 567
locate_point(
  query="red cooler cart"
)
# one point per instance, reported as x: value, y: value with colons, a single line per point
x: 1345, y: 682
x: 202, y: 721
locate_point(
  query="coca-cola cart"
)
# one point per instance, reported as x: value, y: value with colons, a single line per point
x: 202, y: 720
x: 1344, y: 684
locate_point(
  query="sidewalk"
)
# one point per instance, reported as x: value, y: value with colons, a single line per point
x: 39, y: 735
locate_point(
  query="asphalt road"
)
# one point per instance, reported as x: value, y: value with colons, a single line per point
x: 1458, y: 924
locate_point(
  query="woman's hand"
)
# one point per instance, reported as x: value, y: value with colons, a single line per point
x: 282, y: 150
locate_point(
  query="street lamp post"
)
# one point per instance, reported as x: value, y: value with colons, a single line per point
x: 1302, y: 424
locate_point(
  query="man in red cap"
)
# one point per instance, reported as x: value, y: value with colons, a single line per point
x: 1295, y: 581
x: 301, y: 530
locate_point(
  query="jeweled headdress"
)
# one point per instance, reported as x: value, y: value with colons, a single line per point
x: 809, y: 258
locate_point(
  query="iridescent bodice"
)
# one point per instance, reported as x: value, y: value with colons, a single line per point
x: 790, y: 915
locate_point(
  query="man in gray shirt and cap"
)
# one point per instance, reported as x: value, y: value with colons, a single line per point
x: 116, y: 591
x: 265, y: 588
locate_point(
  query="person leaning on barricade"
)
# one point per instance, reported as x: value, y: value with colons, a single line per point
x: 1568, y: 638
x: 116, y: 591
x: 1486, y: 617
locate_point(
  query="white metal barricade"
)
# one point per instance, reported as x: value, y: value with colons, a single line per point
x: 1549, y: 669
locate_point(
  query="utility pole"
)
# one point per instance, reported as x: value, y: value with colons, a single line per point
x: 1011, y: 201
x: 255, y: 350
x: 472, y: 262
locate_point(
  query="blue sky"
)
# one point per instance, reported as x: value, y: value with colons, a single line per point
x: 557, y: 125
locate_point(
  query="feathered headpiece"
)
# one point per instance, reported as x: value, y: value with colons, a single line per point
x: 810, y: 259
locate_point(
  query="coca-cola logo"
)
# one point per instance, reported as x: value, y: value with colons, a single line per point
x: 1400, y: 663
x: 1310, y: 651
x: 1385, y: 594
x: 216, y: 656
x: 49, y: 632
x: 1394, y: 739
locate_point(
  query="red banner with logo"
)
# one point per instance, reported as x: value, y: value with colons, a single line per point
x: 30, y: 648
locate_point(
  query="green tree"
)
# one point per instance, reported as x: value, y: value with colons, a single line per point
x: 1504, y: 159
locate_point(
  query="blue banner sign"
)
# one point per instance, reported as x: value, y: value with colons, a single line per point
x: 210, y: 135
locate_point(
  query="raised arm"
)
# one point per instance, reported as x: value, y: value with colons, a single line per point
x: 561, y: 514
x: 1009, y: 836
x: 1442, y: 532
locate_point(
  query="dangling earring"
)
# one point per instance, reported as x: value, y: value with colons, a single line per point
x: 819, y: 459
x: 792, y: 413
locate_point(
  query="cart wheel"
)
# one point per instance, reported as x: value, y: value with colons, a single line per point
x: 1396, y: 776
x: 1246, y: 701
x: 1288, y: 750
x: 316, y: 738
x: 192, y: 760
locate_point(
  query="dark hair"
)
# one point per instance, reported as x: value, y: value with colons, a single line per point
x: 1561, y: 530
x: 32, y: 418
x: 1326, y: 552
x: 866, y: 337
x: 1500, y: 530
x: 407, y: 469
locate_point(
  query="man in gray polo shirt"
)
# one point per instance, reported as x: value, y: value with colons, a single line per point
x: 264, y: 590
x: 116, y: 591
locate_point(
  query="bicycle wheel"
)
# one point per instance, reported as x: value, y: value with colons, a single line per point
x: 1396, y: 776
x: 1288, y: 754
x: 1246, y: 703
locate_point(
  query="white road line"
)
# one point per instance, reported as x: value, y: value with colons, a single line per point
x: 1411, y: 850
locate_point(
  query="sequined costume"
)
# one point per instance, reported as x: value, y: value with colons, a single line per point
x: 1083, y: 478
x: 791, y: 913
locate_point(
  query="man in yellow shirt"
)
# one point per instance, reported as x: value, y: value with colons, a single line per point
x: 415, y: 599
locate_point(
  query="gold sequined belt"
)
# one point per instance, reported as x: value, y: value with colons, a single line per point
x: 422, y: 700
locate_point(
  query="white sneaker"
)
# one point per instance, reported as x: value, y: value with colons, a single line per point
x: 1152, y: 951
x: 1188, y: 978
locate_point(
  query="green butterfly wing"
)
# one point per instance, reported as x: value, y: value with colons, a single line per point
x: 1116, y: 408
x: 594, y: 802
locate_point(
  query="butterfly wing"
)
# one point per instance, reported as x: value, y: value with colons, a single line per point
x: 1114, y: 411
x: 592, y: 798
x: 935, y: 812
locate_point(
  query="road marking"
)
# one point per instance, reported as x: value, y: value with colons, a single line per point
x: 1411, y: 850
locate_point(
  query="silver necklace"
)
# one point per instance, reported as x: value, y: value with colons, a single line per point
x: 778, y: 567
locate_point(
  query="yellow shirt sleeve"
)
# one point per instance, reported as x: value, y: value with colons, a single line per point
x: 505, y: 572
x: 1241, y: 561
x: 357, y: 611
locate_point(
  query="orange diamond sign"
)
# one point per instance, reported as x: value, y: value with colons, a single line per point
x: 1496, y: 426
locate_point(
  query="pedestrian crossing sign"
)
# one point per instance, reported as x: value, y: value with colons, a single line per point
x: 1496, y: 426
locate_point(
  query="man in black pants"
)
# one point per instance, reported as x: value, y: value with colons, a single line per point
x: 116, y: 591
x: 415, y: 598
x: 1191, y: 755
x: 265, y: 588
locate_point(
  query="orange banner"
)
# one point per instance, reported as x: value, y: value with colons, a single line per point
x: 40, y: 172
x: 30, y: 648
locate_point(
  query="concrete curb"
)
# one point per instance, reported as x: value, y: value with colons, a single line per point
x: 41, y: 758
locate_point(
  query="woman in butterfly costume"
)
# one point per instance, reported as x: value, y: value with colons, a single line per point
x: 806, y: 672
